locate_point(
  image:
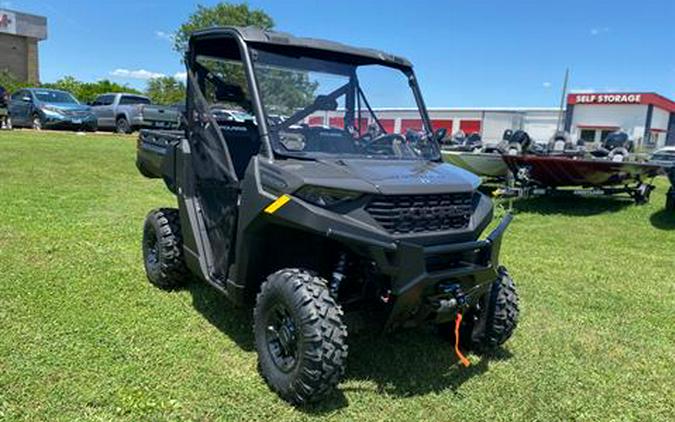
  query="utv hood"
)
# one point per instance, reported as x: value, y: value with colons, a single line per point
x: 391, y: 177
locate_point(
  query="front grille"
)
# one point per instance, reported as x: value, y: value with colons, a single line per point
x: 403, y: 214
x: 75, y: 113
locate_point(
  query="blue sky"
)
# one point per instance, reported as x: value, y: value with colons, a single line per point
x: 466, y: 53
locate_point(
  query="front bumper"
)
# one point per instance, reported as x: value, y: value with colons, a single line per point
x: 56, y: 121
x: 419, y: 274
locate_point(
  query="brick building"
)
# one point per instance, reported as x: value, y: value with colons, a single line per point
x: 20, y: 34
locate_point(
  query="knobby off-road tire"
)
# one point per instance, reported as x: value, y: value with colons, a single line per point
x: 499, y: 318
x: 163, y: 249
x: 299, y: 336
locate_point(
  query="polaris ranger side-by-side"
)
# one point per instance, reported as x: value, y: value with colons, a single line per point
x: 318, y: 207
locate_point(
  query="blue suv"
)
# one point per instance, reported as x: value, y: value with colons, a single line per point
x: 49, y: 109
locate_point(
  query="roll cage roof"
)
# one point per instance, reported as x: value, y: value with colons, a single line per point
x: 260, y: 38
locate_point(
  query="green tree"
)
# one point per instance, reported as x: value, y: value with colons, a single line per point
x: 88, y: 91
x: 282, y: 90
x: 165, y: 90
x: 221, y: 14
x: 10, y: 82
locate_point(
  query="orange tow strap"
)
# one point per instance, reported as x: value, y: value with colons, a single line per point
x: 462, y: 358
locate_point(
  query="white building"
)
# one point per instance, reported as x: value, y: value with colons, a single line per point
x: 648, y: 118
x: 490, y: 123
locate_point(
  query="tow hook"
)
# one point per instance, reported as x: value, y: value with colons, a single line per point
x: 460, y: 356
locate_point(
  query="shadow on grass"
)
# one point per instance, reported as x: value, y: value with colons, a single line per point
x: 406, y: 363
x: 663, y: 219
x: 571, y: 205
x: 232, y: 321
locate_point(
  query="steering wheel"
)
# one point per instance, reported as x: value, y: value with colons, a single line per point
x: 385, y: 144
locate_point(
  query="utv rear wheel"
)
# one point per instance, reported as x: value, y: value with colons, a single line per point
x: 163, y: 249
x: 499, y: 318
x: 299, y: 336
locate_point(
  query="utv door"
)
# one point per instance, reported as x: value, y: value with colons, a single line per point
x: 215, y: 186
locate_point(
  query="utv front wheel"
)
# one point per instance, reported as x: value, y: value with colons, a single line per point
x: 299, y: 336
x: 163, y: 249
x: 499, y: 317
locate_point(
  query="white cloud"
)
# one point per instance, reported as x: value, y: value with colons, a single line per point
x: 136, y: 74
x: 546, y: 84
x: 145, y: 74
x: 164, y: 35
x: 598, y: 31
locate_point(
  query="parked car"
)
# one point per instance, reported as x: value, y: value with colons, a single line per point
x: 664, y: 157
x: 224, y: 114
x: 49, y: 108
x: 4, y: 101
x: 126, y: 113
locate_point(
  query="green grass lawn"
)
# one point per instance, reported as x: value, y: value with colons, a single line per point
x: 84, y: 336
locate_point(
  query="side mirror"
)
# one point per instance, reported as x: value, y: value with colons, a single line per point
x: 440, y: 134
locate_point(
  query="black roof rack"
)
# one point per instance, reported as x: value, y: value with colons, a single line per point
x: 254, y: 35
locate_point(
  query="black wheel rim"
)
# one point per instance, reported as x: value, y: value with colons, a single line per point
x: 282, y: 338
x: 151, y: 248
x: 122, y: 126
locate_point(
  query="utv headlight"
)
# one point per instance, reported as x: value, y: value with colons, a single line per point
x: 325, y: 197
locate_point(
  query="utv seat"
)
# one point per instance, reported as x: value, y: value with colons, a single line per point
x: 243, y: 142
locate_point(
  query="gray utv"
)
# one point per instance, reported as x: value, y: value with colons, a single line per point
x: 314, y: 208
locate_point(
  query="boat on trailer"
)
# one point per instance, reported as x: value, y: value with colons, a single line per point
x: 486, y: 164
x: 608, y: 170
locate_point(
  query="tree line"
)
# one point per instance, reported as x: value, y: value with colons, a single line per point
x: 163, y: 90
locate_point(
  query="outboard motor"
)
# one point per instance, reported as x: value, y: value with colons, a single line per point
x: 470, y: 143
x: 560, y: 143
x: 507, y: 135
x: 474, y: 141
x: 519, y: 143
x: 615, y: 147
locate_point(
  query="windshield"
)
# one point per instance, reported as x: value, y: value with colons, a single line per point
x: 324, y: 109
x: 55, y: 97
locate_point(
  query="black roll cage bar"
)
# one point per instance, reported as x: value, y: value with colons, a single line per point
x: 257, y: 105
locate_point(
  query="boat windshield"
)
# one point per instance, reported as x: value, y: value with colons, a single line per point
x: 318, y: 108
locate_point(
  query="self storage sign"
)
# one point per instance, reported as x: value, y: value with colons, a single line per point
x: 608, y: 98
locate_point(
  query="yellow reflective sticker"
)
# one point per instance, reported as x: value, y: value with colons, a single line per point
x: 278, y: 203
